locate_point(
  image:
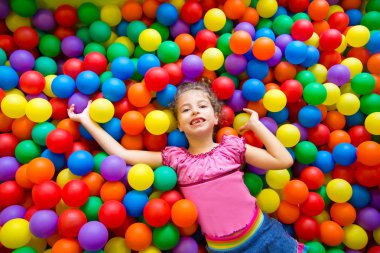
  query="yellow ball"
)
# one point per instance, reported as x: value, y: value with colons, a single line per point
x: 116, y: 244
x: 339, y: 190
x: 323, y: 216
x: 150, y: 249
x: 101, y: 110
x: 277, y: 179
x: 319, y: 71
x: 343, y: 45
x: 354, y: 65
x: 358, y: 36
x: 38, y: 244
x: 173, y: 122
x: 240, y: 120
x: 266, y: 8
x: 333, y: 9
x: 61, y: 207
x: 333, y: 94
x: 355, y: 237
x: 274, y: 100
x: 109, y: 42
x: 110, y: 14
x: 13, y: 106
x: 38, y: 110
x: 157, y: 122
x: 268, y: 200
x: 376, y: 235
x: 214, y: 19
x: 155, y: 195
x: 288, y: 134
x: 140, y: 177
x: 313, y: 40
x: 14, y: 21
x: 65, y: 176
x: 177, y: 4
x: 150, y: 40
x: 348, y: 104
x: 212, y: 58
x: 126, y: 42
x: 372, y: 123
x: 15, y: 233
x: 47, y: 89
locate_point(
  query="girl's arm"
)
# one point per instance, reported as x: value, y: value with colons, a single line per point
x: 275, y: 156
x: 110, y: 145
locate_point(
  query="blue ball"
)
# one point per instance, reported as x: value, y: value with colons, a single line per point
x: 312, y: 57
x: 196, y: 27
x: 253, y: 90
x: 309, y: 116
x: 166, y: 96
x: 257, y: 69
x: 59, y: 160
x: 122, y: 67
x: 63, y: 86
x: 134, y: 202
x: 324, y: 161
x: 355, y: 119
x: 167, y: 14
x: 80, y: 162
x: 9, y: 78
x: 280, y: 11
x: 178, y: 139
x: 85, y: 134
x: 265, y: 32
x: 296, y: 52
x: 87, y: 82
x: 344, y: 154
x: 146, y: 62
x: 373, y: 44
x: 113, y: 128
x: 249, y: 55
x: 280, y: 117
x: 360, y: 196
x: 113, y: 89
x: 121, y: 28
x: 355, y: 17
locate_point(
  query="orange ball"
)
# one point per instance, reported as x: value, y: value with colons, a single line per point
x: 284, y: 71
x: 331, y: 233
x: 150, y: 7
x: 318, y: 10
x: 251, y: 16
x: 132, y: 123
x: 131, y: 11
x: 65, y: 245
x: 22, y: 128
x: 5, y: 123
x: 377, y: 85
x: 296, y: 192
x: 139, y: 95
x: 373, y: 64
x: 186, y: 43
x: 334, y: 120
x: 240, y: 42
x: 22, y: 178
x: 112, y: 191
x: 234, y: 9
x: 263, y: 48
x: 225, y: 131
x: 320, y: 26
x: 138, y: 236
x: 258, y: 107
x: 184, y: 213
x: 350, y: 4
x: 287, y: 213
x: 40, y: 169
x: 94, y: 181
x: 336, y: 137
x: 146, y: 109
x: 188, y: 231
x: 343, y: 213
x: 132, y: 142
x: 70, y: 126
x: 368, y: 153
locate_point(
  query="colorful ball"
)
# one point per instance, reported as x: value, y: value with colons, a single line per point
x: 288, y: 134
x: 339, y: 190
x: 157, y: 122
x: 355, y: 237
x: 101, y: 110
x: 93, y: 236
x: 165, y: 178
x: 150, y: 40
x: 274, y: 100
x: 214, y: 19
x: 140, y: 177
x: 358, y: 36
x: 268, y: 200
x: 15, y: 233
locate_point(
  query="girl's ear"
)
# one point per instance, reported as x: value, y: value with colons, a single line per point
x: 216, y: 119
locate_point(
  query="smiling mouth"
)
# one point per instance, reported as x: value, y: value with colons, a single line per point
x: 197, y: 121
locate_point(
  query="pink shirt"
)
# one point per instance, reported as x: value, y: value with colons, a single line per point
x: 214, y: 182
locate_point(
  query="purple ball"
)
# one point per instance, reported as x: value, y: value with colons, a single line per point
x: 44, y: 223
x: 332, y: 2
x: 298, y: 168
x: 303, y: 131
x: 44, y: 20
x: 235, y: 64
x: 124, y: 180
x: 41, y: 95
x: 12, y: 212
x: 282, y: 41
x: 179, y: 27
x: 247, y: 27
x: 186, y: 245
x: 237, y: 101
x: 113, y: 168
x: 276, y: 58
x: 269, y: 123
x: 93, y: 236
x: 368, y: 218
x: 22, y: 60
x: 192, y: 66
x: 72, y: 46
x: 8, y: 167
x: 375, y: 198
x: 79, y: 100
x: 338, y: 74
x: 255, y: 170
x: 352, y: 251
x: 4, y: 9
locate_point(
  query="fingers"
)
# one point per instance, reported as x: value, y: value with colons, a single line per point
x: 248, y: 110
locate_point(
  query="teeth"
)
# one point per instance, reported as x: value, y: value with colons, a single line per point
x: 196, y: 121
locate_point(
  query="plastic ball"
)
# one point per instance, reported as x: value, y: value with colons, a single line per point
x: 80, y: 162
x: 267, y: 8
x: 13, y: 106
x: 371, y: 122
x: 150, y: 40
x: 263, y: 48
x: 101, y: 110
x: 184, y: 213
x: 212, y: 58
x: 167, y: 14
x: 288, y: 134
x: 93, y: 236
x: 157, y: 212
x: 313, y: 205
x: 22, y: 60
x: 138, y: 236
x: 140, y: 177
x: 166, y: 237
x: 357, y: 36
x: 338, y: 74
x: 330, y: 39
x: 186, y: 244
x: 306, y: 228
x: 156, y: 79
x: 277, y: 179
x: 268, y: 200
x: 339, y: 190
x: 295, y: 192
x: 110, y: 14
x: 75, y: 193
x: 296, y: 52
x: 38, y: 110
x: 274, y: 100
x: 223, y: 87
x: 112, y: 214
x: 46, y: 195
x: 355, y: 237
x: 164, y: 178
x: 59, y: 140
x: 157, y: 122
x: 134, y: 202
x: 70, y: 221
x: 309, y: 116
x: 302, y: 30
x: 43, y: 223
x: 214, y: 19
x: 15, y: 233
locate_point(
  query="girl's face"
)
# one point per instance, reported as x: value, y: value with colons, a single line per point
x: 196, y: 116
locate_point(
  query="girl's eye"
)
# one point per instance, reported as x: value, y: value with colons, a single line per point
x: 185, y: 110
x: 203, y: 106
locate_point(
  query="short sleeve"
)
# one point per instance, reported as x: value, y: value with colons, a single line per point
x: 235, y: 145
x: 172, y: 156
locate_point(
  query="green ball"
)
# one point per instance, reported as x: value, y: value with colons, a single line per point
x: 363, y: 83
x: 24, y: 8
x: 100, y: 31
x: 25, y: 249
x: 98, y: 159
x: 168, y: 52
x: 161, y: 29
x: 136, y: 75
x: 264, y: 23
x: 223, y: 44
x: 117, y: 50
x: 373, y: 5
x: 83, y: 34
x: 227, y: 28
x: 305, y: 77
x: 26, y: 151
x: 91, y: 208
x: 94, y: 47
x: 49, y: 45
x: 3, y: 57
x: 314, y: 93
x: 165, y: 178
x: 135, y: 28
x: 306, y: 152
x: 253, y: 183
x: 371, y: 20
x: 105, y: 76
x: 234, y: 78
x: 300, y: 15
x: 322, y: 191
x: 315, y: 247
x: 335, y: 251
x: 370, y: 103
x: 166, y: 237
x: 139, y: 52
x: 46, y: 66
x: 40, y: 131
x: 282, y: 24
x: 88, y: 13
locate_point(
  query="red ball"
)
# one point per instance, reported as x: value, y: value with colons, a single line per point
x: 63, y: 32
x: 358, y: 135
x: 66, y: 15
x: 8, y: 144
x: 306, y: 228
x: 313, y: 206
x: 175, y: 73
x: 298, y: 5
x: 319, y: 135
x: 205, y: 39
x: 191, y: 12
x: 59, y: 106
x: 313, y: 177
x: 374, y: 249
x: 7, y: 43
x: 227, y: 116
x: 156, y: 79
x: 32, y: 82
x: 330, y: 58
x: 368, y: 176
x: 122, y: 106
x: 292, y: 89
x: 154, y: 142
x: 339, y: 21
x: 95, y: 62
x: 302, y: 30
x: 330, y: 39
x: 157, y: 212
x: 72, y: 67
x: 112, y: 214
x: 46, y: 195
x: 252, y: 139
x: 59, y: 141
x: 70, y: 222
x: 346, y: 173
x: 26, y: 37
x: 10, y: 194
x: 78, y: 145
x: 75, y: 193
x: 223, y: 87
x: 171, y: 197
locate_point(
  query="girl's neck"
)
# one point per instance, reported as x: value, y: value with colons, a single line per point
x: 201, y: 145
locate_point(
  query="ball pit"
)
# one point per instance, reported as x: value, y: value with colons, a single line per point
x: 309, y: 68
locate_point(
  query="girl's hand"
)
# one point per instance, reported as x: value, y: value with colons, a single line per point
x: 79, y: 117
x: 252, y: 122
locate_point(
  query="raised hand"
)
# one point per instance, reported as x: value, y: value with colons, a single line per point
x: 252, y: 122
x: 79, y: 117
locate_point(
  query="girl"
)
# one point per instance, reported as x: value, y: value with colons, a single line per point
x: 209, y: 173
